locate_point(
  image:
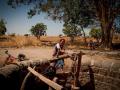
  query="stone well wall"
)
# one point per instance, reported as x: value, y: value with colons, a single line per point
x: 100, y: 73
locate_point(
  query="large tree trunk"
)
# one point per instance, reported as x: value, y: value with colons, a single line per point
x: 106, y: 16
x: 107, y: 35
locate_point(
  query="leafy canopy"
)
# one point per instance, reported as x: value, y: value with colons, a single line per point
x: 72, y: 10
x: 96, y: 33
x: 39, y: 29
x: 80, y: 12
x: 71, y: 30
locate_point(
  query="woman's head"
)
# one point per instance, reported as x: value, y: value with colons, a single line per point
x: 62, y: 41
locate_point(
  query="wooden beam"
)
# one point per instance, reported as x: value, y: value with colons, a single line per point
x: 9, y: 69
x: 45, y: 80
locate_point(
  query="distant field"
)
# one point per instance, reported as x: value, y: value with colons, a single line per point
x: 19, y: 41
x: 23, y: 41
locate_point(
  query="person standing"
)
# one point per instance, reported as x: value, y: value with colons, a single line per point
x: 91, y: 45
x: 59, y: 50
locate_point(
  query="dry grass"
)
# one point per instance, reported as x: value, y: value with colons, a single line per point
x: 20, y: 41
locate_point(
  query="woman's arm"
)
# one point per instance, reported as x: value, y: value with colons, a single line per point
x: 58, y: 52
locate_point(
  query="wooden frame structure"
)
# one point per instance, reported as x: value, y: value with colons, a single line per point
x: 8, y: 69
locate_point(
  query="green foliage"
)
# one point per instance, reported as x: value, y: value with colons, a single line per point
x: 2, y: 27
x: 71, y: 10
x: 38, y: 30
x: 96, y: 33
x: 78, y: 12
x: 71, y: 30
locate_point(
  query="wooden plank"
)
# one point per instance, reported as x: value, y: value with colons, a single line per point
x: 45, y: 80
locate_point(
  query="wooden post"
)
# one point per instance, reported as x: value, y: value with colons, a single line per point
x: 76, y: 86
x: 45, y: 80
x: 78, y: 67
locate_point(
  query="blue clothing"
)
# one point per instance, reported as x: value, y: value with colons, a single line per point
x: 59, y: 63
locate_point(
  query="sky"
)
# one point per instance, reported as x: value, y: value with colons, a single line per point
x: 17, y: 20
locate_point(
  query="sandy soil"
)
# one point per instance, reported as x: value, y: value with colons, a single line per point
x: 31, y: 53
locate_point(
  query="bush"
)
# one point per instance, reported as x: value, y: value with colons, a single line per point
x: 12, y: 35
x: 26, y: 35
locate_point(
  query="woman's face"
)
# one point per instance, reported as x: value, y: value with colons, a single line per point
x: 62, y: 42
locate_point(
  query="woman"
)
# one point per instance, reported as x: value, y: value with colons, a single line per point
x: 59, y: 50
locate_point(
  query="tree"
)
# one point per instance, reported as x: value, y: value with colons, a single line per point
x: 2, y: 27
x: 104, y: 11
x: 38, y: 30
x: 71, y: 31
x: 96, y: 33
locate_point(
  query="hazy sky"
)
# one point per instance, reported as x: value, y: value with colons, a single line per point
x: 18, y: 22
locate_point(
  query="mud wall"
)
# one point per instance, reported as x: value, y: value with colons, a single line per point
x: 100, y: 73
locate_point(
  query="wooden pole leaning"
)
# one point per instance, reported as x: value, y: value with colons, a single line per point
x: 45, y: 80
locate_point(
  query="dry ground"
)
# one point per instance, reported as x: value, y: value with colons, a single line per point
x: 31, y: 53
x: 34, y: 53
x: 35, y: 49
